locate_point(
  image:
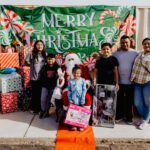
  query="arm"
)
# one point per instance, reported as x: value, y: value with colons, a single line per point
x: 116, y: 76
x: 146, y: 63
x: 69, y: 92
x: 27, y: 59
x: 84, y: 90
x: 94, y: 76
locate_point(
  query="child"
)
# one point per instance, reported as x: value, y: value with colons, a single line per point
x: 48, y: 78
x: 36, y: 60
x: 106, y: 69
x: 77, y: 90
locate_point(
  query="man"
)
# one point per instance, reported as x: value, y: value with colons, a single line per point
x: 126, y: 57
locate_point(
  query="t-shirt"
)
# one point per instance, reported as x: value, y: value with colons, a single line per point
x: 105, y: 69
x: 126, y: 60
x: 35, y: 65
x: 48, y: 76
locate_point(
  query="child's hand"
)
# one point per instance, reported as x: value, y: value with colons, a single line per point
x: 71, y: 102
x: 117, y: 87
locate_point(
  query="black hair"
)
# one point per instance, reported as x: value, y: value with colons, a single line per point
x: 75, y: 68
x: 35, y: 50
x: 50, y: 56
x: 125, y: 37
x: 106, y: 44
x: 145, y: 40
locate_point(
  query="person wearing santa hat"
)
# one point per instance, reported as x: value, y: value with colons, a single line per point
x: 71, y: 60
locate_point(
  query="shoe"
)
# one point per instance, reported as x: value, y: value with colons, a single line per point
x: 119, y: 120
x: 138, y: 122
x: 129, y: 122
x: 143, y: 125
x: 45, y: 114
x: 81, y: 129
x: 41, y: 114
x: 73, y: 128
x: 34, y: 112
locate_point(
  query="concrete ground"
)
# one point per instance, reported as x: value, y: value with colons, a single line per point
x: 23, y: 130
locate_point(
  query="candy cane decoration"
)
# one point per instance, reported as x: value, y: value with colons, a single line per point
x: 11, y: 21
x: 94, y: 53
x: 59, y: 60
x: 105, y: 13
x: 90, y: 62
x: 26, y: 32
x: 129, y: 25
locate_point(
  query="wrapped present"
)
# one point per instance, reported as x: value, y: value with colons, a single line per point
x: 9, y: 60
x: 78, y: 116
x: 10, y: 82
x: 23, y: 51
x: 25, y: 74
x: 9, y: 102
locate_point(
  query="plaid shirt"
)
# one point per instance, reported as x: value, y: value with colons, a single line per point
x: 141, y: 69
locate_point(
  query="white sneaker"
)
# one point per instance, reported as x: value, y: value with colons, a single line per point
x: 143, y: 125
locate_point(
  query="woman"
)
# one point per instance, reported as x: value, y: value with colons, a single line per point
x: 141, y: 77
x: 36, y: 60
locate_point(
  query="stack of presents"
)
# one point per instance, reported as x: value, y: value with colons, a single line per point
x: 14, y: 86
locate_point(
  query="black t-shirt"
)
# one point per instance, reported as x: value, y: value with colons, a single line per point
x: 105, y: 69
x: 48, y: 76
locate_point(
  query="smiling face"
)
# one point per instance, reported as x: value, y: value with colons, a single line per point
x: 146, y: 46
x: 50, y: 61
x: 125, y: 44
x: 39, y: 46
x: 77, y: 74
x: 106, y: 51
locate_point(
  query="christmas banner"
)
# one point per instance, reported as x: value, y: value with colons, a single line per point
x: 67, y: 29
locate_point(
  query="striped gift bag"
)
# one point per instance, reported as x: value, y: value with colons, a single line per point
x: 9, y: 60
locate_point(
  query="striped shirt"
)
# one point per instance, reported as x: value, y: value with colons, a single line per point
x: 141, y: 69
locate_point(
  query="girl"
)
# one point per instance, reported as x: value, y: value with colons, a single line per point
x: 77, y: 90
x: 36, y: 60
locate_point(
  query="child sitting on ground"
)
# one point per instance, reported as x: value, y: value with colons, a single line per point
x: 77, y: 90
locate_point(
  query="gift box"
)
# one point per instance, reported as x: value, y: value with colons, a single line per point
x: 23, y: 51
x: 8, y: 60
x: 25, y: 74
x: 78, y: 116
x: 10, y: 82
x: 9, y: 102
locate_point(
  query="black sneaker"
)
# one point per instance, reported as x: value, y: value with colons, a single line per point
x: 41, y: 114
x: 45, y: 114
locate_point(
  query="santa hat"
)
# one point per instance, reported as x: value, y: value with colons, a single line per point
x: 74, y: 56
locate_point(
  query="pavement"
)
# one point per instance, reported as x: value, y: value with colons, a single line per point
x: 24, y: 128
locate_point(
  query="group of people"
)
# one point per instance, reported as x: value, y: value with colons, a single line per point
x: 127, y: 69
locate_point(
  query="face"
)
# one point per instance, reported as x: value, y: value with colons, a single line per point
x: 146, y: 46
x: 77, y: 74
x: 125, y: 44
x: 50, y: 61
x: 106, y: 51
x: 39, y: 46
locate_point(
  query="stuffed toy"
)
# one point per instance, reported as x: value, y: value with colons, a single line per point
x: 57, y: 94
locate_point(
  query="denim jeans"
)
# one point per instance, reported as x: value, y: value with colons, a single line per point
x: 142, y: 99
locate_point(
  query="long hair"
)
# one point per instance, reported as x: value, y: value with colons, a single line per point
x: 35, y: 50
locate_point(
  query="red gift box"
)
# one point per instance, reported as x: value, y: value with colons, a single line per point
x: 9, y: 60
x: 9, y: 102
x: 25, y: 74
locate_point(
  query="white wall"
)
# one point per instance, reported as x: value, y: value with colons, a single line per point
x: 75, y: 2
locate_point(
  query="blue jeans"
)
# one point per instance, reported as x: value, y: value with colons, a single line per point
x: 142, y: 99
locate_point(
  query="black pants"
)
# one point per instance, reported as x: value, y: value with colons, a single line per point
x: 35, y: 104
x: 125, y: 102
